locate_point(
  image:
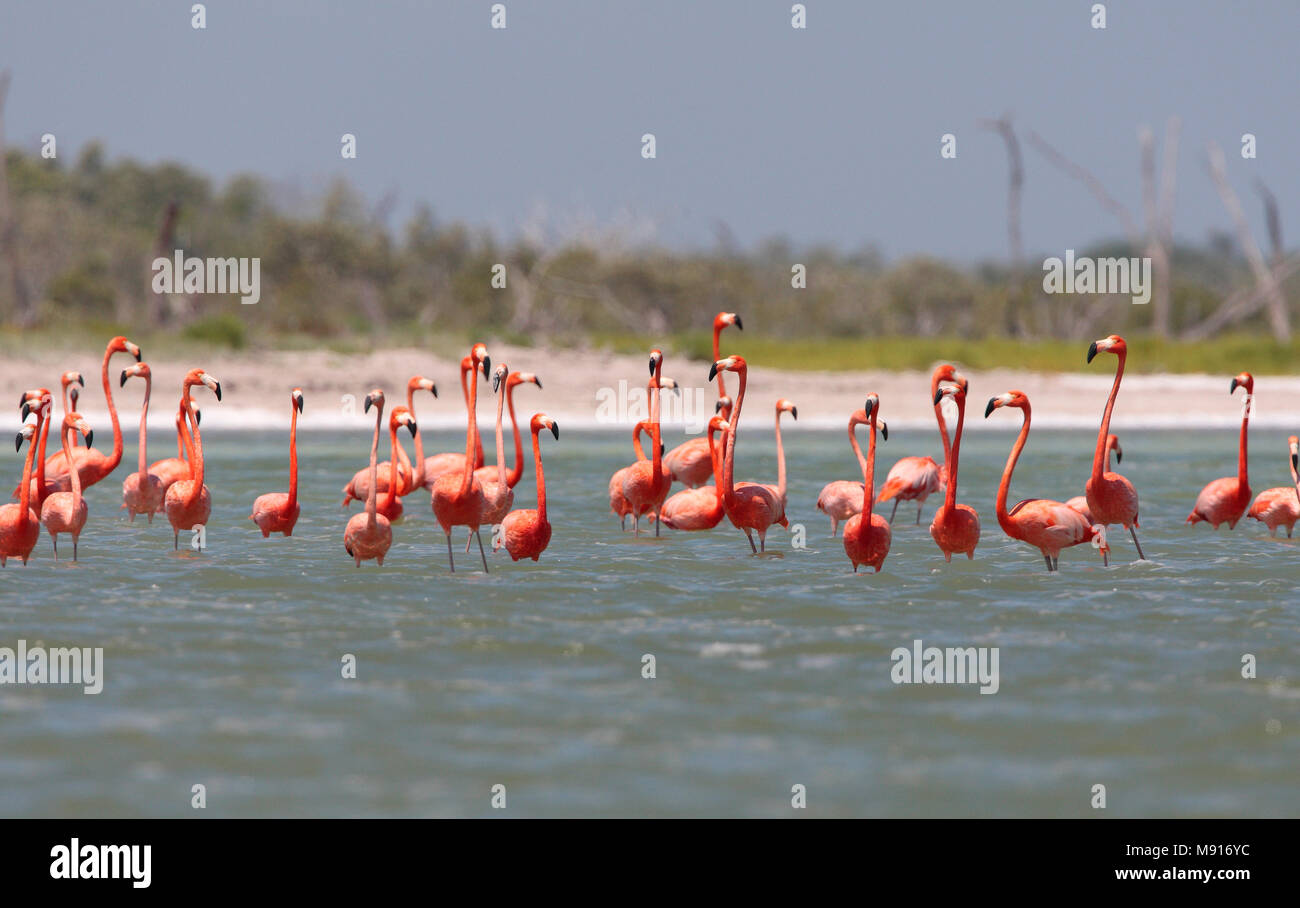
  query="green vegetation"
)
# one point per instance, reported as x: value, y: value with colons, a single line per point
x: 335, y: 276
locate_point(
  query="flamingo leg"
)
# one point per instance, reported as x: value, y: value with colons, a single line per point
x: 1133, y: 533
x: 636, y: 524
x: 480, y: 551
x: 919, y: 505
x: 750, y: 537
x: 74, y: 548
x: 834, y: 523
x: 1048, y: 559
x: 469, y: 537
x: 622, y: 522
x: 657, y: 522
x: 55, y: 539
x: 176, y: 540
x: 451, y: 558
x: 894, y: 511
x: 762, y: 540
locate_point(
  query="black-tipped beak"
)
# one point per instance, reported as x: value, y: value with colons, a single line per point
x: 366, y: 408
x: 80, y: 380
x: 411, y: 425
x: 137, y: 356
x: 652, y: 365
x: 739, y: 326
x: 993, y: 403
x: 794, y: 412
x: 434, y: 390
x: 27, y: 408
x: 884, y: 432
x: 496, y: 383
x: 1232, y: 387
x: 713, y: 372
x: 122, y: 383
x: 717, y: 408
x: 938, y: 396
x: 1295, y: 462
x: 661, y: 449
x: 555, y: 430
x: 217, y: 390
x: 1092, y: 350
x: 487, y: 367
x: 18, y: 442
x: 22, y: 399
x: 537, y: 382
x: 869, y: 406
x: 297, y: 402
x: 198, y: 417
x: 1119, y: 455
x: 90, y: 438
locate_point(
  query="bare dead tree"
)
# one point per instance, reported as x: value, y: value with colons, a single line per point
x: 1093, y: 184
x: 1274, y: 221
x: 1265, y: 277
x: 22, y: 303
x: 1159, y: 217
x: 1015, y: 187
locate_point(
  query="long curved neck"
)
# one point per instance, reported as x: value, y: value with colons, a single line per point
x: 372, y: 497
x: 196, y: 464
x: 144, y: 425
x: 501, y: 447
x: 471, y: 405
x: 1101, y: 455
x: 541, y: 477
x: 1004, y: 520
x: 1242, y: 481
x: 471, y: 432
x: 116, y: 456
x: 717, y: 355
x: 40, y: 460
x: 396, y: 459
x: 417, y: 479
x: 293, y: 458
x: 636, y: 442
x: 716, y: 460
x: 780, y: 459
x: 180, y: 437
x: 729, y: 468
x: 869, y: 476
x: 73, y: 475
x: 25, y: 496
x: 516, y: 471
x: 954, y: 456
x: 939, y: 418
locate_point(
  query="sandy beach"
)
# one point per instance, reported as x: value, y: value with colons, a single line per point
x: 593, y: 389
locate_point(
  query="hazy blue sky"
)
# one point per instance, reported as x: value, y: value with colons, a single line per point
x: 827, y: 135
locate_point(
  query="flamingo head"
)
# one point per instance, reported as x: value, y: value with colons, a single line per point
x: 75, y: 422
x: 139, y: 369
x: 499, y: 376
x: 518, y: 378
x: 1294, y: 444
x: 955, y: 391
x: 480, y: 356
x: 72, y: 378
x: 723, y: 407
x: 1112, y: 443
x: 542, y: 421
x: 870, y: 414
x: 199, y: 377
x: 374, y: 399
x: 120, y: 344
x: 784, y: 406
x: 667, y: 384
x: 37, y: 400
x: 401, y: 416
x: 724, y: 319
x: 1009, y: 399
x: 295, y: 397
x: 1244, y: 380
x: 420, y: 383
x: 729, y: 364
x: 718, y: 424
x: 1111, y: 344
x: 74, y: 395
x: 656, y: 361
x: 26, y: 433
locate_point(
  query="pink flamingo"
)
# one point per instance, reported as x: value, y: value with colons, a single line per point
x: 498, y: 496
x: 1047, y: 525
x: 526, y: 533
x: 436, y: 465
x: 1111, y: 497
x: 956, y: 527
x: 458, y: 500
x: 750, y: 506
x: 618, y: 502
x: 65, y: 512
x: 170, y: 469
x: 142, y: 491
x: 699, y: 509
x: 1080, y: 502
x: 516, y: 472
x: 917, y: 478
x: 1225, y: 500
x: 39, y: 401
x: 188, y: 503
x: 276, y: 512
x: 369, y: 534
x: 410, y: 475
x: 782, y: 406
x: 646, y: 484
x: 71, y: 378
x: 417, y: 383
x: 1280, y: 507
x: 19, y: 527
x: 867, y: 535
x: 840, y: 499
x: 690, y: 463
x: 95, y: 465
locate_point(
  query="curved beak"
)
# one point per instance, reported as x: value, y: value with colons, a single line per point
x: 884, y: 429
x: 713, y: 371
x: 1119, y: 454
x: 122, y: 383
x: 369, y: 401
x: 1295, y: 462
x: 794, y: 412
x: 90, y: 438
x: 555, y: 429
x: 410, y: 425
x: 1232, y: 387
x: 938, y: 396
x: 1092, y: 350
x: 81, y: 381
x: 652, y: 366
x: 496, y: 382
x: 18, y: 442
x: 26, y: 409
x: 739, y: 326
x: 198, y: 416
x: 487, y: 366
x: 538, y: 382
x: 993, y: 404
x: 297, y: 402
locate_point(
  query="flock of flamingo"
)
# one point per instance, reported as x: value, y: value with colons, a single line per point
x: 464, y: 491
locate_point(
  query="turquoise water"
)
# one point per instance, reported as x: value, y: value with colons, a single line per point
x: 222, y: 668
